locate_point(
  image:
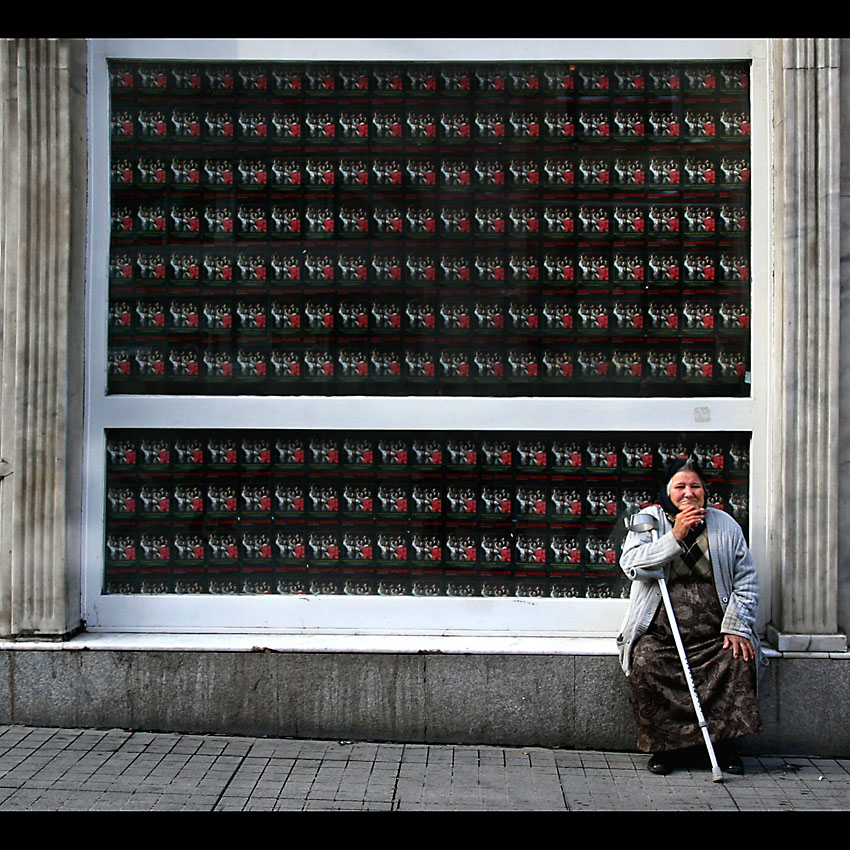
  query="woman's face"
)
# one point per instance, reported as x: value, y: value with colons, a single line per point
x: 686, y: 489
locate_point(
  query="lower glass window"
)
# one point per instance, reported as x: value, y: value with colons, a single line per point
x: 394, y: 513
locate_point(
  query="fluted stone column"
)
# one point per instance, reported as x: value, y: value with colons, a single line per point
x: 42, y: 228
x: 804, y: 517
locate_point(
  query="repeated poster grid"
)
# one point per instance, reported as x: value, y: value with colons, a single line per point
x: 497, y: 230
x: 395, y: 513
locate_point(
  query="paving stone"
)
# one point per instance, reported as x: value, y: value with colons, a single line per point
x: 53, y: 769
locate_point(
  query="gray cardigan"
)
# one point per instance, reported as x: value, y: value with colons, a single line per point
x: 644, y: 560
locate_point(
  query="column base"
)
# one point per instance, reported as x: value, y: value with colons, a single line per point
x: 787, y: 642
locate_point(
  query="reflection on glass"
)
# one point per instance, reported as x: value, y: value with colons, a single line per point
x: 567, y: 229
x: 399, y: 512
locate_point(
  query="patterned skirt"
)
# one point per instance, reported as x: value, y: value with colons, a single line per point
x: 659, y: 693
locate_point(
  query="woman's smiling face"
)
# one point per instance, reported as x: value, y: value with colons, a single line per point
x: 686, y: 488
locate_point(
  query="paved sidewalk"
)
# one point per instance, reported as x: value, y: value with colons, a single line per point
x: 47, y: 769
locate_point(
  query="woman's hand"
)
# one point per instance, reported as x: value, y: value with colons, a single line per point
x: 740, y: 646
x: 686, y: 519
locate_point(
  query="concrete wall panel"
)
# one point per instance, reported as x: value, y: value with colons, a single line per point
x: 473, y: 699
x: 554, y: 701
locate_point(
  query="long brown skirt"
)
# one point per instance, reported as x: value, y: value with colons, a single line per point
x: 659, y: 693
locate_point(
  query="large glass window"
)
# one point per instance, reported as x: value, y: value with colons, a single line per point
x: 413, y: 331
x: 493, y: 229
x: 421, y: 513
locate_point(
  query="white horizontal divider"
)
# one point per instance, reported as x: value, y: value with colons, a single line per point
x: 497, y: 414
x: 366, y: 615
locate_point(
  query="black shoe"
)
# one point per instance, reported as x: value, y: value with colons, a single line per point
x: 660, y: 764
x: 729, y: 760
x: 732, y: 764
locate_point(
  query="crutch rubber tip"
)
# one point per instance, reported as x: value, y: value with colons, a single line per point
x: 716, y: 774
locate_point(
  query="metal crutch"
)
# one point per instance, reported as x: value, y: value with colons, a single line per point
x: 646, y: 522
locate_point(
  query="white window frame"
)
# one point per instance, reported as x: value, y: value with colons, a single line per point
x: 404, y: 616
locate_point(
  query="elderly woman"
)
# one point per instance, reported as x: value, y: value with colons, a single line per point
x: 713, y: 587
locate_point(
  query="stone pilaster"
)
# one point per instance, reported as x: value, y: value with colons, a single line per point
x: 42, y: 238
x: 804, y: 515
